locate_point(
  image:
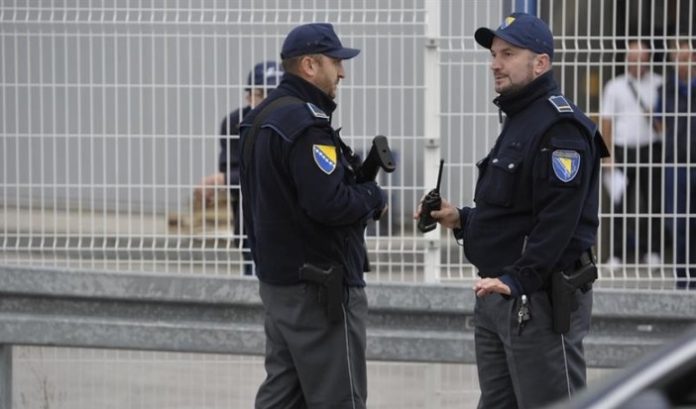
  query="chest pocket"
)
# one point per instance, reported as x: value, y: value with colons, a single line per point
x: 498, y: 185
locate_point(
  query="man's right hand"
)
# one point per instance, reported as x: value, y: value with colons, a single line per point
x: 447, y: 216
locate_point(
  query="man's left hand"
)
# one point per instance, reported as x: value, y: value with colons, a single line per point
x: 486, y: 286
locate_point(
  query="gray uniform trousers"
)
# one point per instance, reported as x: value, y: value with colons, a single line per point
x: 536, y: 367
x: 311, y: 363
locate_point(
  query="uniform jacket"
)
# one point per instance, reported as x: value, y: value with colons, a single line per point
x: 228, y: 161
x: 537, y: 193
x: 301, y: 201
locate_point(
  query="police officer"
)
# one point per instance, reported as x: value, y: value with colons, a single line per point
x: 302, y: 206
x: 535, y: 218
x: 261, y: 79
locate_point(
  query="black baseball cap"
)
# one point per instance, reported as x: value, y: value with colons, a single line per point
x: 315, y: 38
x: 522, y: 30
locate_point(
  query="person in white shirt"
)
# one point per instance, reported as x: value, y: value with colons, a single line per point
x: 634, y: 178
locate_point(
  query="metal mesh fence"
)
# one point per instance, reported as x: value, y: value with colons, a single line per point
x: 109, y: 119
x: 111, y: 113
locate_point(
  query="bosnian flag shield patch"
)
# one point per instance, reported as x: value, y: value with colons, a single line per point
x: 565, y: 164
x: 325, y: 157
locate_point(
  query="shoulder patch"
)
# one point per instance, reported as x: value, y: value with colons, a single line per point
x: 566, y: 164
x: 316, y: 111
x: 325, y: 157
x: 560, y: 103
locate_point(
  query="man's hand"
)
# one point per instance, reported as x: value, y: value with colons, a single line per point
x: 447, y: 216
x: 486, y: 286
x: 204, y: 193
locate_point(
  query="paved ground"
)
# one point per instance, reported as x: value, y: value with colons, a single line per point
x: 65, y: 378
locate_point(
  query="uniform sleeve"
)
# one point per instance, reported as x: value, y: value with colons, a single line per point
x: 322, y: 189
x: 228, y: 160
x: 463, y: 217
x: 559, y: 193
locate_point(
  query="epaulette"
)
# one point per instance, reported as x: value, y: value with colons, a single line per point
x: 291, y: 120
x: 560, y: 103
x: 316, y: 111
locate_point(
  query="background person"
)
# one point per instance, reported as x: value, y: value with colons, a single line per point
x: 677, y: 105
x: 261, y: 80
x: 629, y: 130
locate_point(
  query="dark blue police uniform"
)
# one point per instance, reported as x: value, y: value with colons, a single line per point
x: 538, y: 220
x: 533, y: 226
x: 302, y: 205
x: 535, y: 215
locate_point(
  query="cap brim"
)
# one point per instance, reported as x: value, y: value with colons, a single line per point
x: 484, y: 36
x: 342, y: 53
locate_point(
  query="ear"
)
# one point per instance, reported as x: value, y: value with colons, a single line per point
x: 308, y: 66
x: 542, y: 63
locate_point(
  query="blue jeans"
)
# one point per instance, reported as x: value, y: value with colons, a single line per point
x: 680, y: 209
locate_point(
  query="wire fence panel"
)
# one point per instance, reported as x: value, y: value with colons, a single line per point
x: 111, y: 112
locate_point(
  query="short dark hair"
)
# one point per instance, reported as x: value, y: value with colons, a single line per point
x: 292, y: 64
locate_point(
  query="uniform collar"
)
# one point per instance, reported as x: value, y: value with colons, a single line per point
x: 296, y: 86
x: 519, y: 100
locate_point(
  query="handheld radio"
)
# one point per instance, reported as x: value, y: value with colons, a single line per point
x: 431, y: 202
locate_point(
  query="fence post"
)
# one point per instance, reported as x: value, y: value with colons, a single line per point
x: 431, y: 130
x: 5, y: 376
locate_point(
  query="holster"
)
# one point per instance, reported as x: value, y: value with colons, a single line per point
x: 564, y: 284
x: 330, y: 283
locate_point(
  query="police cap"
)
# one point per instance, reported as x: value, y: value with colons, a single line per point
x: 315, y: 38
x: 522, y: 30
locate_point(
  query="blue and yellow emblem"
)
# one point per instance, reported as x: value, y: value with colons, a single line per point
x: 508, y: 20
x: 566, y: 164
x: 325, y: 157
